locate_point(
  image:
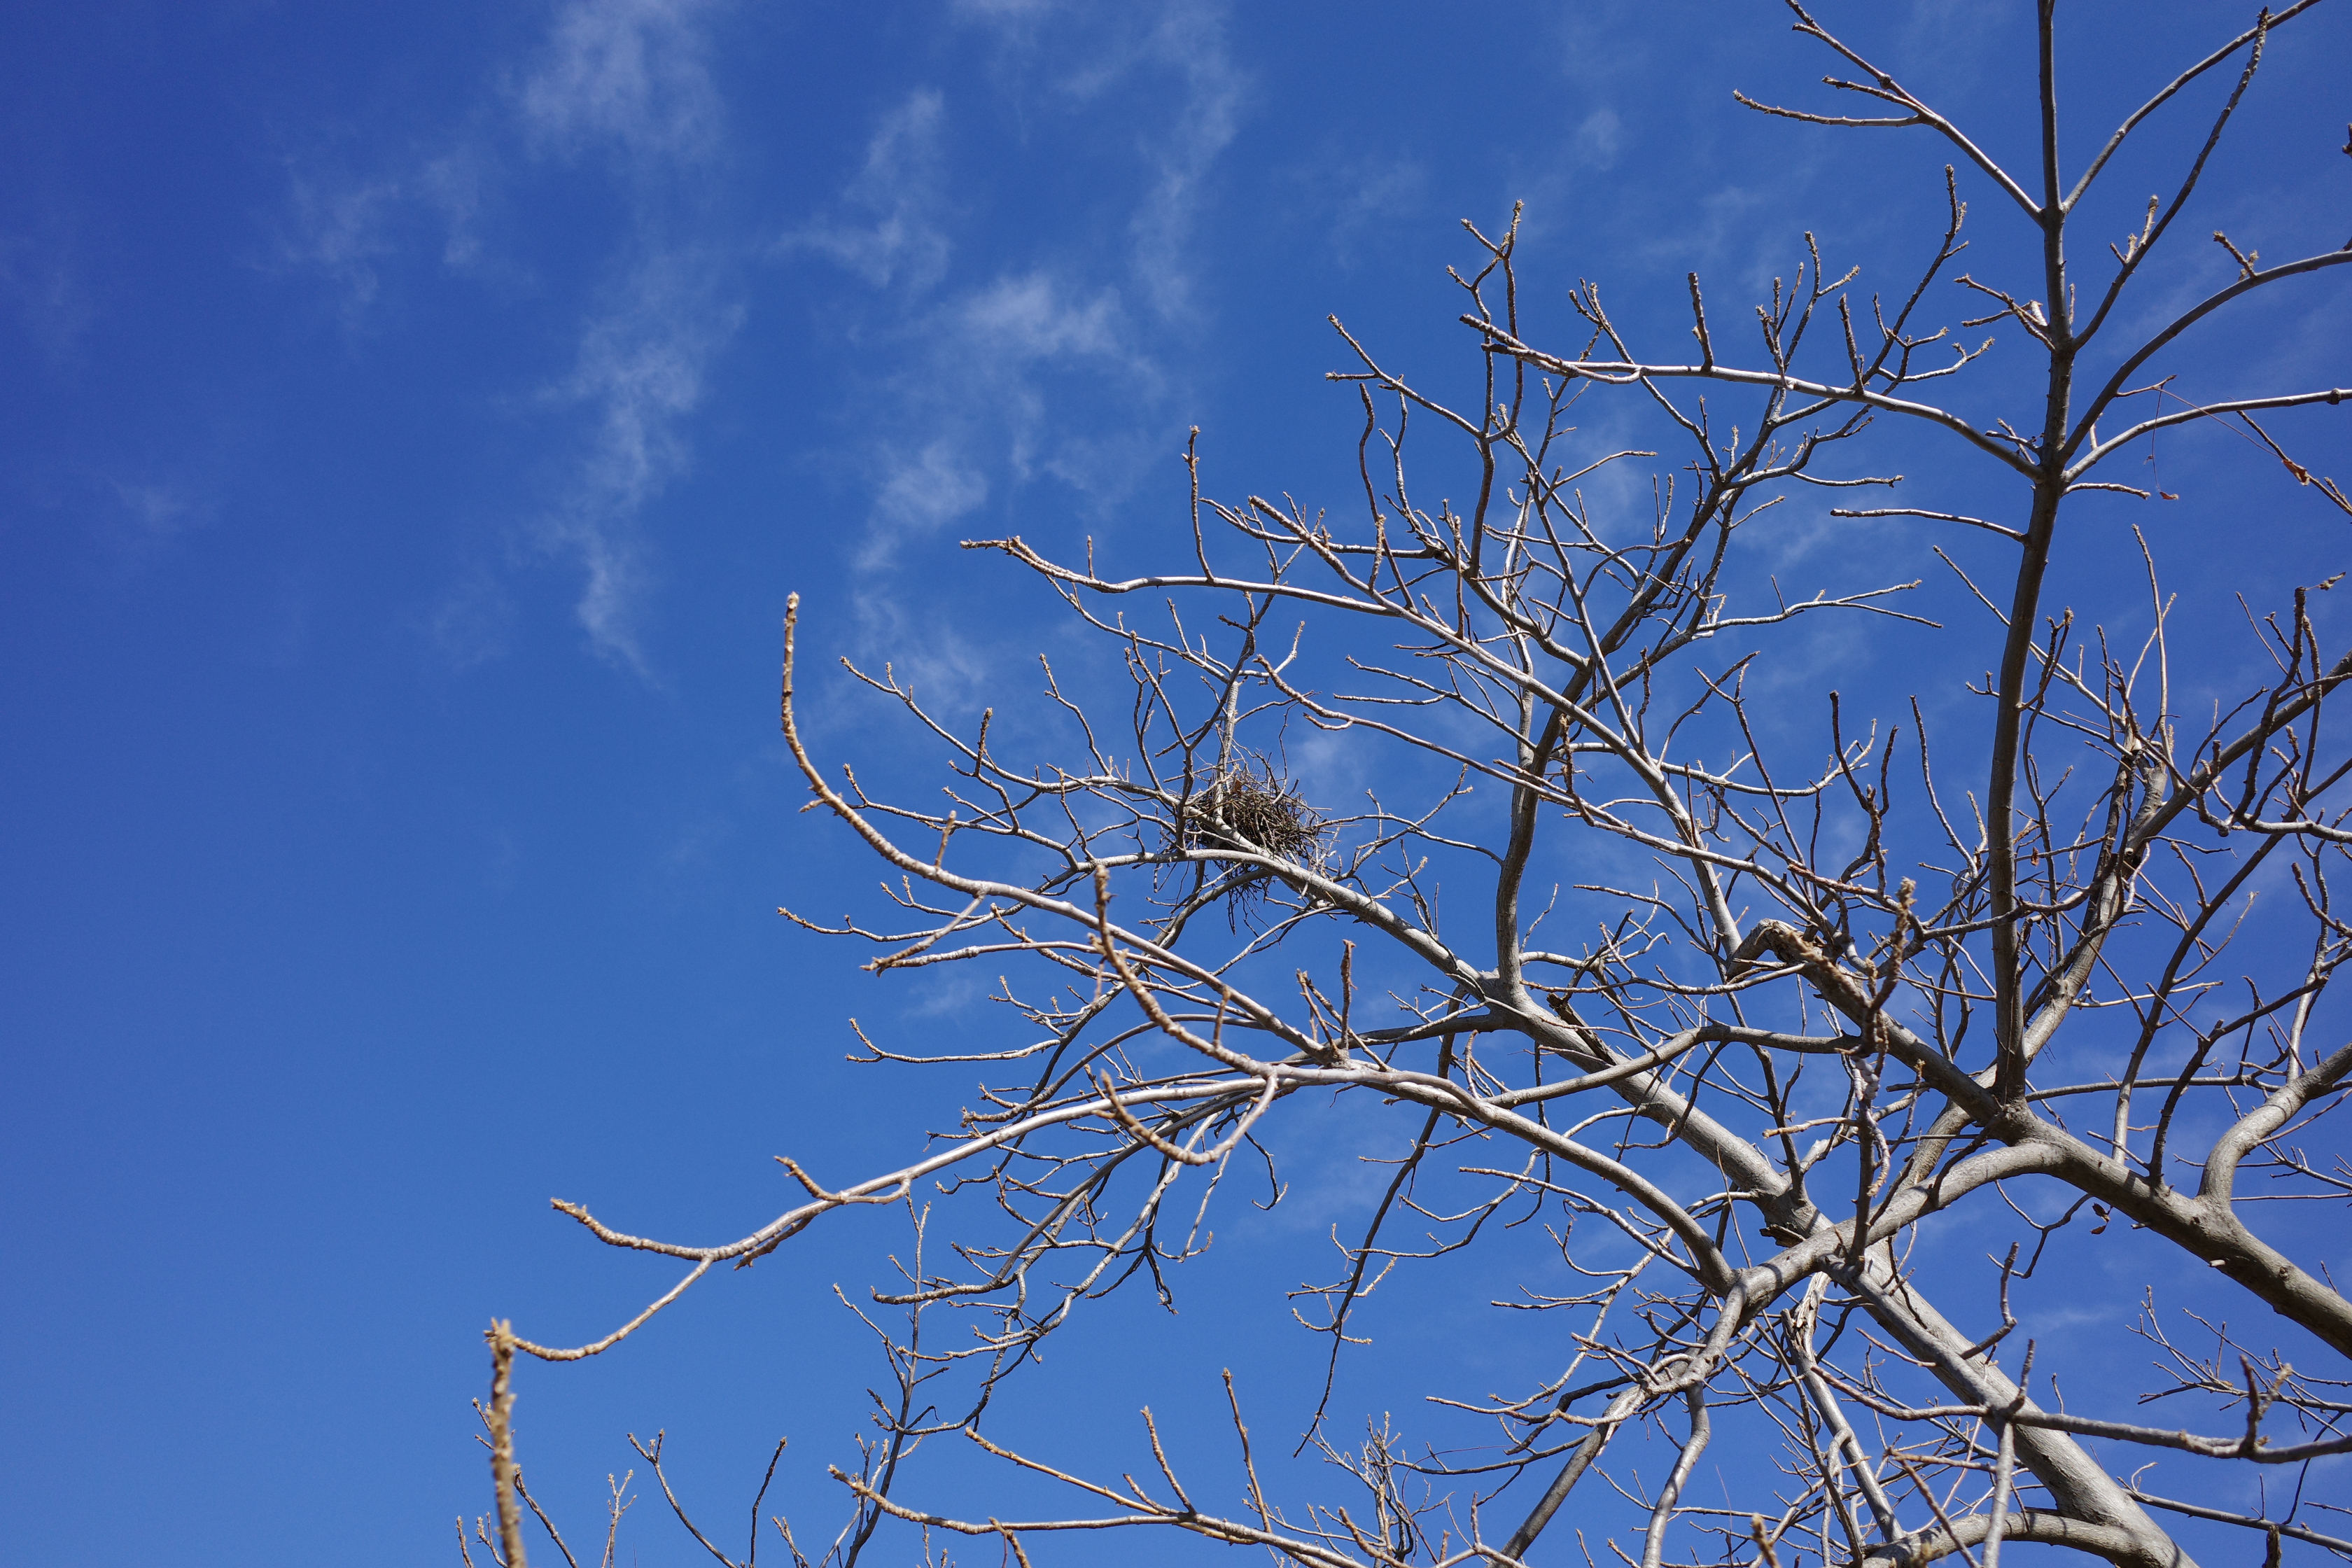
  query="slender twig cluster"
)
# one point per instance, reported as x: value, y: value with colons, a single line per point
x: 1808, y: 995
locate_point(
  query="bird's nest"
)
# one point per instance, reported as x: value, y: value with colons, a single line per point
x: 1252, y: 809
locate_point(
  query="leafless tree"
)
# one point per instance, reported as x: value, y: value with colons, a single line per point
x: 1799, y: 1004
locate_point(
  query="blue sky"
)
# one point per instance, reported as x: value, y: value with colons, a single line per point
x: 416, y: 417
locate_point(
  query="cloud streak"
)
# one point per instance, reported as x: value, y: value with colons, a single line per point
x: 39, y: 278
x: 886, y: 231
x: 632, y: 79
x: 627, y: 83
x: 640, y: 372
x: 1048, y: 366
x: 978, y: 394
x: 1047, y: 363
x: 1191, y: 38
x: 340, y: 229
x: 632, y: 74
x: 970, y: 385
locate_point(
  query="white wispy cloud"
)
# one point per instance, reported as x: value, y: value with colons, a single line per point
x: 631, y: 78
x: 1002, y: 11
x: 1091, y: 55
x: 338, y: 228
x: 978, y: 393
x: 140, y: 516
x: 156, y: 511
x: 1353, y: 192
x: 1191, y: 38
x: 1053, y: 363
x: 640, y: 371
x: 922, y: 492
x: 353, y: 217
x: 641, y: 365
x: 39, y: 276
x: 888, y: 229
x: 472, y: 622
x: 1017, y: 319
x: 631, y: 74
x: 967, y: 396
x: 459, y: 185
x: 992, y: 355
x: 993, y: 391
x: 628, y: 82
x: 1597, y: 138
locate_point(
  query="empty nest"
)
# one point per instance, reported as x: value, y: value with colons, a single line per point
x: 1250, y: 808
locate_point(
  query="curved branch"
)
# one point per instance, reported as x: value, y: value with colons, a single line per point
x: 1626, y: 370
x: 2040, y: 1526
